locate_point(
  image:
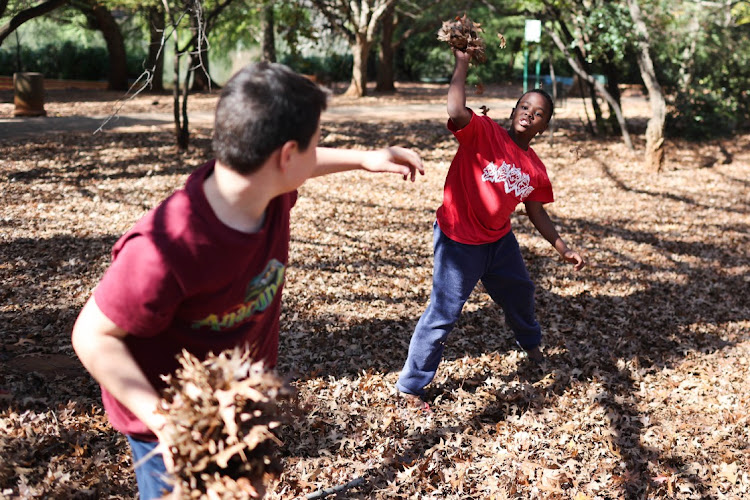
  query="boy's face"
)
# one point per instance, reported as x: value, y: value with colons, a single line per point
x: 531, y: 115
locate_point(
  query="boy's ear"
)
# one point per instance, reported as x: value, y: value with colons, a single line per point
x: 286, y: 153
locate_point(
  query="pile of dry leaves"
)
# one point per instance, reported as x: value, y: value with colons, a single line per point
x: 646, y: 390
x: 221, y: 417
x: 463, y: 34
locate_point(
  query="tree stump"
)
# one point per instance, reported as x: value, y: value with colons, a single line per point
x: 28, y: 94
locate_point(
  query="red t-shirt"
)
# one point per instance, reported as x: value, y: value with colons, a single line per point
x: 488, y: 177
x: 181, y: 279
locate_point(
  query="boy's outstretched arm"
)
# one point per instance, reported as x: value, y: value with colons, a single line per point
x: 539, y: 217
x: 100, y: 346
x: 457, y: 111
x: 393, y: 159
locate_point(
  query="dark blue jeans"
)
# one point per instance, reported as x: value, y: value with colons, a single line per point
x: 457, y: 269
x: 151, y: 474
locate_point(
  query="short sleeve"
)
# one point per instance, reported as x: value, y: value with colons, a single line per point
x: 542, y: 194
x: 469, y: 132
x: 138, y: 292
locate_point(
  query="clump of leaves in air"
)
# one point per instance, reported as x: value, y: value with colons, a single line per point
x: 221, y: 414
x: 463, y: 34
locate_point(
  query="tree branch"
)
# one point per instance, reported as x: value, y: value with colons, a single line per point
x: 28, y: 14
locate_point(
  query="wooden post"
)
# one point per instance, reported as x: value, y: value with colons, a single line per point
x: 28, y: 94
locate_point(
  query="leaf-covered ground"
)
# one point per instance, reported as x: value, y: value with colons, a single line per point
x: 647, y: 390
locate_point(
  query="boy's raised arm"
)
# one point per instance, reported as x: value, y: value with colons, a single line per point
x: 392, y: 159
x: 457, y: 111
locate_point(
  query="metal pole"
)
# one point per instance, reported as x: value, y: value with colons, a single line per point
x: 525, y: 68
x: 538, y: 63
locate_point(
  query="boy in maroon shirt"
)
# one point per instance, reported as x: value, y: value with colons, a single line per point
x: 494, y: 169
x: 204, y: 270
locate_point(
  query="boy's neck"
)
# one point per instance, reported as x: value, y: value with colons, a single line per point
x: 521, y: 142
x: 239, y: 201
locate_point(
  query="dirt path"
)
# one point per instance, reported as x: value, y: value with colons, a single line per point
x: 91, y: 110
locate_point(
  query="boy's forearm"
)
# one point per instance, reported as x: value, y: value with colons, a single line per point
x: 333, y: 160
x: 543, y: 224
x: 394, y: 159
x: 457, y: 89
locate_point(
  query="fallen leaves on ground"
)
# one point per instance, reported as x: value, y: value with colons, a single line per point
x: 647, y: 388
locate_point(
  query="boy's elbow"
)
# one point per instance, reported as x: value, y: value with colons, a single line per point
x: 89, y: 326
x: 460, y: 116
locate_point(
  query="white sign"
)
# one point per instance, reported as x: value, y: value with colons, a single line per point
x: 533, y: 31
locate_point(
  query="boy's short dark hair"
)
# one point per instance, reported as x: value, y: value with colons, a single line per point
x: 546, y: 96
x: 263, y: 106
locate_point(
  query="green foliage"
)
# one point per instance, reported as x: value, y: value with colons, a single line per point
x: 66, y: 61
x: 606, y: 28
x: 704, y: 65
x: 430, y: 63
x: 333, y: 67
x: 700, y: 114
x: 63, y: 25
x: 423, y: 56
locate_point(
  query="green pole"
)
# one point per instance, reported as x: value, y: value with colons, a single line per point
x: 525, y: 68
x: 538, y: 63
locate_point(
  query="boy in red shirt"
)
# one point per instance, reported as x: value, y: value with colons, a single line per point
x: 204, y: 270
x: 494, y: 169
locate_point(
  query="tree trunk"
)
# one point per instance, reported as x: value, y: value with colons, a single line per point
x: 613, y: 87
x: 26, y: 15
x: 655, y: 129
x: 360, y: 52
x: 155, y: 61
x: 269, y: 41
x: 385, y: 64
x: 118, y: 68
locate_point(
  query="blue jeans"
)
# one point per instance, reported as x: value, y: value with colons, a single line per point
x: 151, y: 475
x: 457, y: 269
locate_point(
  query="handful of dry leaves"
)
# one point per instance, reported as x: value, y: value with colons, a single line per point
x: 463, y: 34
x: 221, y: 414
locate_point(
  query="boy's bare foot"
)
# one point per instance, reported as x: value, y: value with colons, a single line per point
x: 414, y: 402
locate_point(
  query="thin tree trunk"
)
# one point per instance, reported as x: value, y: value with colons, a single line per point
x: 269, y: 40
x: 180, y: 132
x: 613, y: 79
x: 155, y: 61
x: 118, y: 68
x: 601, y: 126
x: 655, y: 127
x: 360, y: 52
x: 184, y: 134
x: 199, y: 59
x: 385, y: 64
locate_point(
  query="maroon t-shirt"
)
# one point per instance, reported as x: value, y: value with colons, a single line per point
x: 489, y: 176
x: 181, y: 279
